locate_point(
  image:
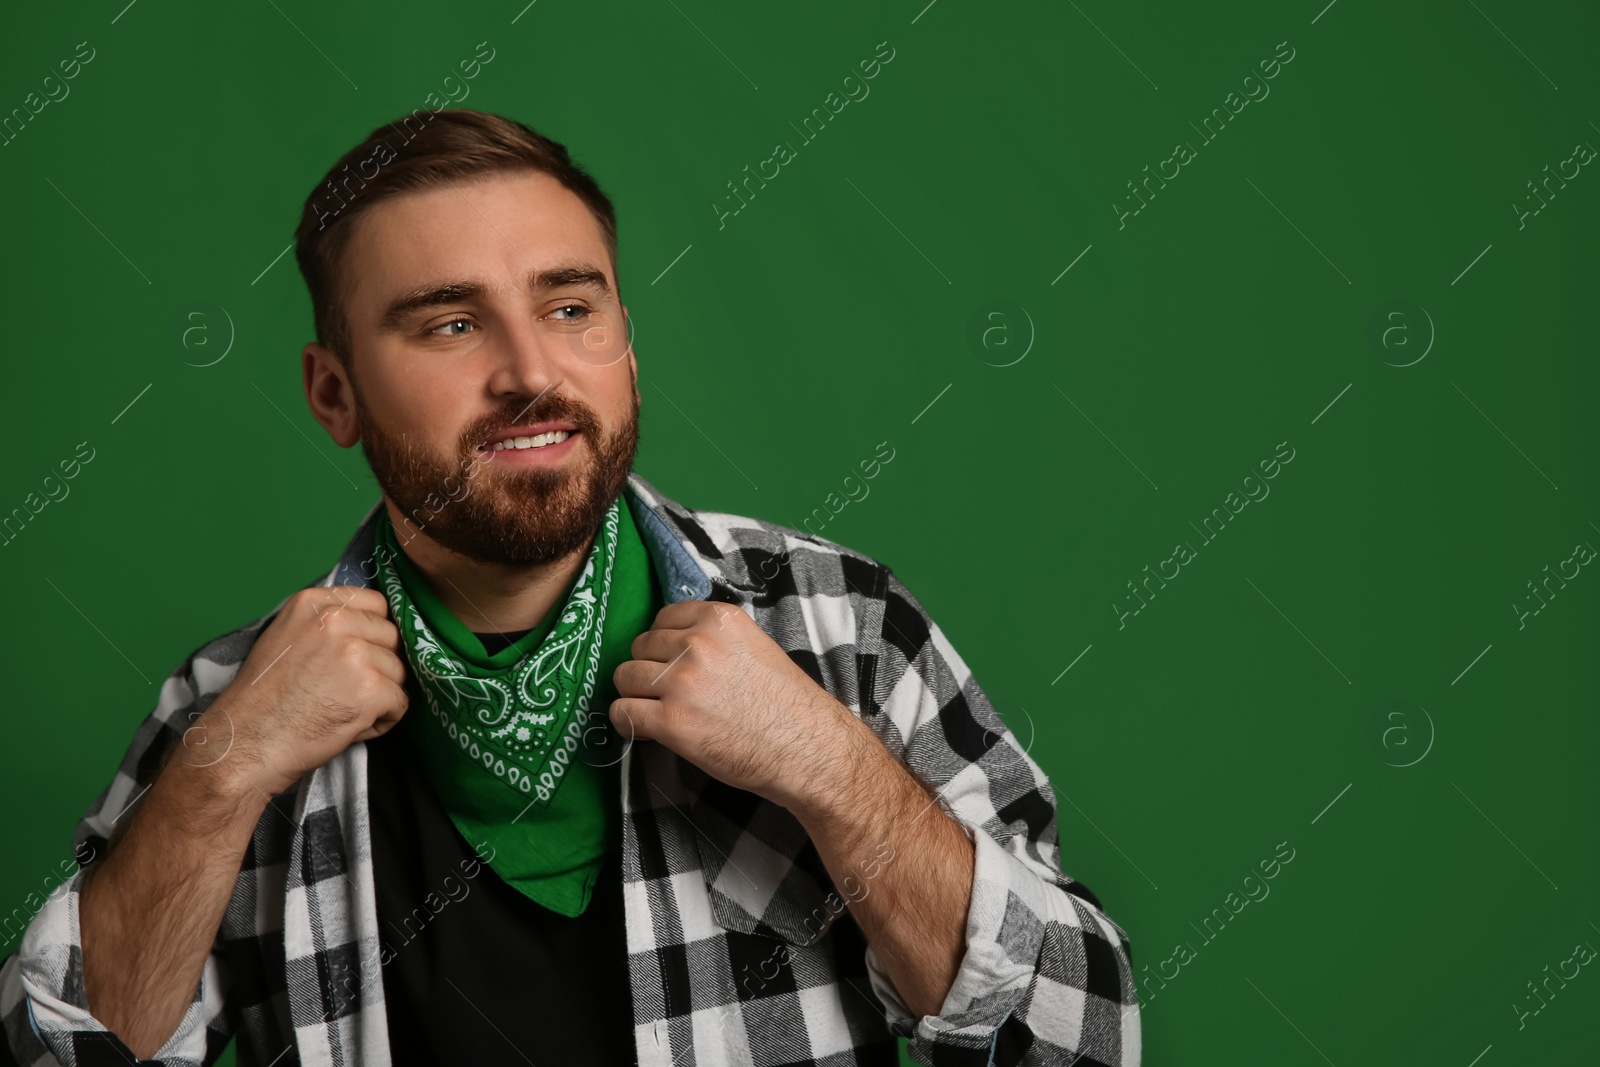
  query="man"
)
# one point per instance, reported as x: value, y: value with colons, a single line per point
x: 550, y: 767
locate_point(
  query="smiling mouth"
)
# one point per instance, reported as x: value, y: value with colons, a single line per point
x: 537, y: 441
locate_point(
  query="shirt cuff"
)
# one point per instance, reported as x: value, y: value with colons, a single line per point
x: 1004, y: 937
x: 49, y: 969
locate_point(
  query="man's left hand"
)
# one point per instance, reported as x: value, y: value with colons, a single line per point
x: 711, y: 685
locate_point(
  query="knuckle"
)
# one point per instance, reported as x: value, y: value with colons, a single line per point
x: 369, y: 599
x: 367, y: 684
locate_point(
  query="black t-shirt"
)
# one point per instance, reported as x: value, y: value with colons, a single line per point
x: 485, y: 975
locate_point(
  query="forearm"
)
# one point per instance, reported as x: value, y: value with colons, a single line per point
x: 912, y: 906
x: 149, y: 913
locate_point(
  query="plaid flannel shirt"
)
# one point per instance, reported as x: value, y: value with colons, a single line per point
x: 740, y: 951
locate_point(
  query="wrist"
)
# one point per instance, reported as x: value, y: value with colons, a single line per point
x: 211, y: 767
x: 838, y: 792
x: 208, y: 799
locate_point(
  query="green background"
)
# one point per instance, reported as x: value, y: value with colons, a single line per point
x: 1241, y: 708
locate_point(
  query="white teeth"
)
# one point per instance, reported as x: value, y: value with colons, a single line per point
x: 539, y: 441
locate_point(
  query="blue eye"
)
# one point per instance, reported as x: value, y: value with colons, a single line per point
x: 579, y: 308
x: 453, y: 322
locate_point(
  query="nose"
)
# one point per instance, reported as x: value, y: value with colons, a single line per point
x: 527, y: 361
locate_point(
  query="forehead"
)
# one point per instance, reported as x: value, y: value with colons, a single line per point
x: 493, y: 229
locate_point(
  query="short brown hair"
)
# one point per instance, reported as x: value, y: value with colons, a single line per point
x: 422, y: 150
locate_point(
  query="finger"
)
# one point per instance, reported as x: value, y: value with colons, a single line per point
x: 378, y: 728
x: 636, y: 719
x: 395, y: 709
x: 388, y: 664
x: 641, y: 678
x: 359, y: 622
x: 335, y: 600
x: 680, y: 615
x: 374, y: 628
x: 363, y: 597
x: 659, y: 645
x: 346, y: 596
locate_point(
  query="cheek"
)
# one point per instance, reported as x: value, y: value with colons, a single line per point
x: 427, y: 407
x: 608, y: 393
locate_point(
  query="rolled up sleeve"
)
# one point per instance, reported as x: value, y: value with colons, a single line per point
x: 44, y: 1008
x: 1047, y: 976
x: 45, y: 980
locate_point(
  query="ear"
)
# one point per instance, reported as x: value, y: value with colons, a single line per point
x: 330, y: 394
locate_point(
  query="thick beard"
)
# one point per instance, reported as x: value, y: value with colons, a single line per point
x: 476, y: 507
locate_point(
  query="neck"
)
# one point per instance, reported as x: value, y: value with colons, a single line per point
x: 488, y: 597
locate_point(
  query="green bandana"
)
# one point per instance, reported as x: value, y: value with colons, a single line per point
x: 519, y: 745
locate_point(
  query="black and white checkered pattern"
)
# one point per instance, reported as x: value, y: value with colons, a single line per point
x: 733, y: 958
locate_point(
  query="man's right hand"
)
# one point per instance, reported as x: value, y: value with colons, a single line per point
x: 326, y: 672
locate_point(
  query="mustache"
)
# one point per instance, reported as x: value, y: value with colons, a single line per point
x: 550, y: 408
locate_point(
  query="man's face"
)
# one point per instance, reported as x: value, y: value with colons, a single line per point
x: 485, y: 307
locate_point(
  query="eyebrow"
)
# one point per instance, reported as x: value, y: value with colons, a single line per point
x: 442, y: 293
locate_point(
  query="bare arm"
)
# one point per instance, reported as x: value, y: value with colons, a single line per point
x: 904, y: 865
x: 150, y: 911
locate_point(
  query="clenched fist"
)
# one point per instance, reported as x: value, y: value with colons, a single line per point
x: 707, y: 682
x: 326, y: 672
